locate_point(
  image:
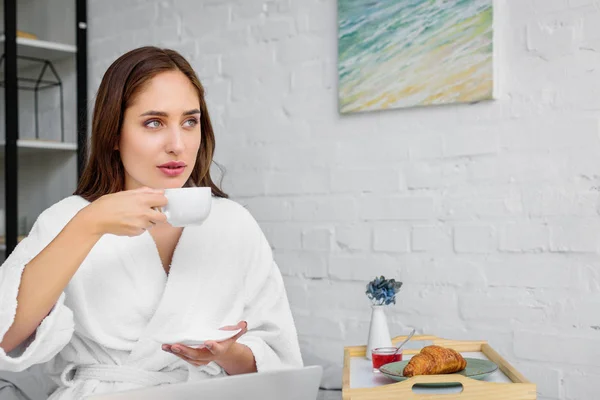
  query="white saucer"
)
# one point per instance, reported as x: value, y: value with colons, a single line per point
x: 197, y: 339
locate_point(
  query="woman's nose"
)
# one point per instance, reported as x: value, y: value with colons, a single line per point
x: 175, y: 143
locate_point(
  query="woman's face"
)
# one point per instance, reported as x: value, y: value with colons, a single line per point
x: 161, y: 134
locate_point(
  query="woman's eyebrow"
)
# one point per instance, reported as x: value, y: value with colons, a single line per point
x: 164, y: 114
x: 153, y: 112
x: 192, y: 112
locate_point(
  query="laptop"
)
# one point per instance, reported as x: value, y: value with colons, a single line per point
x: 290, y: 384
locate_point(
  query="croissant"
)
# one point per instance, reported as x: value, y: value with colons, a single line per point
x: 434, y: 360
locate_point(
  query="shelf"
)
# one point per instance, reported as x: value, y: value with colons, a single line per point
x: 41, y: 49
x: 32, y: 146
x: 40, y: 166
x: 3, y: 242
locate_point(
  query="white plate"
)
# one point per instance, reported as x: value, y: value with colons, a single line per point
x: 198, y: 339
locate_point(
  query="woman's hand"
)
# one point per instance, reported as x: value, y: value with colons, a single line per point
x: 126, y: 213
x: 231, y: 356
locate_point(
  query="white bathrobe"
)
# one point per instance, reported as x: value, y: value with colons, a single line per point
x: 99, y: 337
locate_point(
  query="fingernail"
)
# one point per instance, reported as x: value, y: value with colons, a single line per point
x: 175, y: 349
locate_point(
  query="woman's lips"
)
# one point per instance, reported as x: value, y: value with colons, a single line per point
x: 172, y: 168
x: 172, y: 171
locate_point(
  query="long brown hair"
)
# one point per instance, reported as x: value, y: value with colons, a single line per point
x: 104, y: 172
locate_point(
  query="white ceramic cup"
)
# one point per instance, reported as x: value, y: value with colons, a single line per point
x: 187, y: 206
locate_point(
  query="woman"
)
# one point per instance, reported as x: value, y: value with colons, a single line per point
x: 102, y: 274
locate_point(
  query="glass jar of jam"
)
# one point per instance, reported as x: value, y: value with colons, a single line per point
x: 385, y: 355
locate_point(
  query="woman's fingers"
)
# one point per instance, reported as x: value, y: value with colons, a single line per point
x: 196, y: 363
x: 211, y: 350
x: 157, y: 200
x: 243, y: 325
x: 156, y: 216
x: 218, y: 349
x: 201, y: 354
x: 230, y: 327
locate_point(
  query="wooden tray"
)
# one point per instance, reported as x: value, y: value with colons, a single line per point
x: 516, y: 386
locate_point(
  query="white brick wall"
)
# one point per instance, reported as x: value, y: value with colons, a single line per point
x: 487, y: 212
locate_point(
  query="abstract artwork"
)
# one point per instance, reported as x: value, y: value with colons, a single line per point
x: 407, y: 53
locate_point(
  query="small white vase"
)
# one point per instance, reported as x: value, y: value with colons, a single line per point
x: 379, y: 333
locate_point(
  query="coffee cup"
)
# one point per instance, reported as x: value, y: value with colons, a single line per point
x: 187, y: 206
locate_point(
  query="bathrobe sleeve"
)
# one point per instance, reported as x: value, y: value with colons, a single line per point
x: 55, y: 331
x: 271, y: 335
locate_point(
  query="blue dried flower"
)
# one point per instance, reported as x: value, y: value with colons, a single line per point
x: 383, y: 291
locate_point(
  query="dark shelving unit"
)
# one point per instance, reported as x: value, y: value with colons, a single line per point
x: 18, y: 49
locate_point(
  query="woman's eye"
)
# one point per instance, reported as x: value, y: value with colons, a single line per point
x: 154, y: 123
x: 190, y: 123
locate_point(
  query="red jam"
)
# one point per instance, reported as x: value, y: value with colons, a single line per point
x: 382, y: 356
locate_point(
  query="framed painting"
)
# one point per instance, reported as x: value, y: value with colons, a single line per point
x: 408, y: 53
